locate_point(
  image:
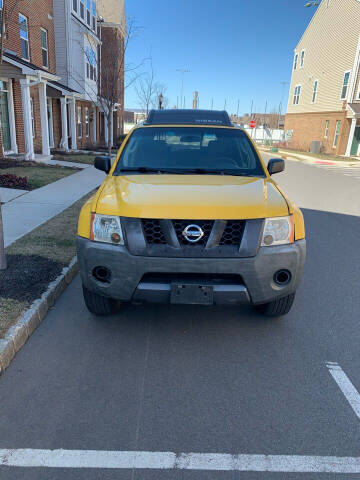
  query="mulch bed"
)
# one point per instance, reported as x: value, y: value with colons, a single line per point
x: 27, y: 276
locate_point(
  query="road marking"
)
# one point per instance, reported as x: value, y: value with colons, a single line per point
x: 173, y: 461
x: 345, y: 385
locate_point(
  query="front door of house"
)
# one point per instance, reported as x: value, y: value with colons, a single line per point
x: 356, y: 142
x: 4, y: 117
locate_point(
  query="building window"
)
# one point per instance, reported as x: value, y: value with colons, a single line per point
x: 345, y: 85
x: 297, y: 93
x: 82, y: 9
x: 302, y: 58
x: 88, y: 12
x: 91, y: 63
x: 296, y: 58
x: 79, y: 122
x: 87, y: 122
x: 315, y: 91
x: 94, y: 16
x: 327, y: 125
x: 75, y: 6
x: 337, y: 133
x: 24, y: 37
x: 44, y: 48
x: 32, y: 117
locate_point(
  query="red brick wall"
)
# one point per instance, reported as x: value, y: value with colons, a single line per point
x: 38, y: 13
x: 19, y: 121
x: 311, y: 126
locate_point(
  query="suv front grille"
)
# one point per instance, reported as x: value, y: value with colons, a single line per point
x: 233, y: 232
x: 153, y: 232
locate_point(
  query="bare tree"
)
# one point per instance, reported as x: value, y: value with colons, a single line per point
x: 145, y: 89
x: 107, y: 66
x: 160, y: 89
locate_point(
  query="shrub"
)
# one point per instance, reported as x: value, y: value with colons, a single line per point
x: 13, y: 181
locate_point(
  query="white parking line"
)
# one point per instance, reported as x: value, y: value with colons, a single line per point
x: 345, y: 385
x: 173, y: 461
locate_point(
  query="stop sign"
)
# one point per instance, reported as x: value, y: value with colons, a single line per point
x: 252, y: 124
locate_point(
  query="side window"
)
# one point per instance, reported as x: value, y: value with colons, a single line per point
x: 296, y: 58
x: 24, y: 37
x: 345, y: 85
x: 315, y: 91
x: 302, y: 58
x: 88, y: 12
x: 337, y: 133
x: 297, y: 93
x: 44, y: 48
x: 327, y: 125
x: 75, y: 6
x: 79, y: 122
x: 82, y: 9
x: 93, y: 16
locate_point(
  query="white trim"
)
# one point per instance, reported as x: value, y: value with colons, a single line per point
x: 42, y: 29
x: 50, y: 121
x: 44, y: 119
x: 30, y: 72
x: 28, y: 39
x: 64, y: 142
x: 351, y: 137
x: 354, y: 75
x: 26, y: 106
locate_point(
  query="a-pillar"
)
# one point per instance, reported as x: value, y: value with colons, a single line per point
x: 44, y: 119
x: 351, y: 137
x: 64, y: 124
x: 28, y: 130
x: 73, y: 123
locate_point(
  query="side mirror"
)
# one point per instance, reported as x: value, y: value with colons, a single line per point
x: 103, y: 163
x: 276, y: 165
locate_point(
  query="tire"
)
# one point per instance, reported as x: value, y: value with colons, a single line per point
x: 277, y: 308
x: 97, y: 304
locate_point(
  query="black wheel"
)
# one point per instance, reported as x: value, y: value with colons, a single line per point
x: 277, y: 308
x: 97, y: 304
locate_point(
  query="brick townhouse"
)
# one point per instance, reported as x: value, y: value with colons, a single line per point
x: 27, y: 79
x: 324, y: 100
x: 49, y: 77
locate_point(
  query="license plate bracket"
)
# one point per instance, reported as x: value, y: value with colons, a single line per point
x: 191, y: 294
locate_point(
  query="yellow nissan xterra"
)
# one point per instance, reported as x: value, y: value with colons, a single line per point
x: 189, y: 214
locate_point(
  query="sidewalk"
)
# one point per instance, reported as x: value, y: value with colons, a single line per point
x: 28, y: 211
x: 309, y: 159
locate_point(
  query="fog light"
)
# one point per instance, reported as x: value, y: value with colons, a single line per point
x: 115, y: 237
x: 268, y: 240
x: 282, y: 277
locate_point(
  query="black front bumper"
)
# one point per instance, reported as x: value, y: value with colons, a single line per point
x: 129, y: 273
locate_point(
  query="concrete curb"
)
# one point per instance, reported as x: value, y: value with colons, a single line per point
x: 18, y: 334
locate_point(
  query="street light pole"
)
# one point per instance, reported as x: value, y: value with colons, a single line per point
x: 182, y: 71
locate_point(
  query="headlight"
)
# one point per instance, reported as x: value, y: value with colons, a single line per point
x: 105, y: 228
x: 278, y: 231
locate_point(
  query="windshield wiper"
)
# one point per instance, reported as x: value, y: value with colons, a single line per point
x: 182, y: 171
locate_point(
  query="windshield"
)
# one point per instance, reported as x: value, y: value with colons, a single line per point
x: 190, y: 150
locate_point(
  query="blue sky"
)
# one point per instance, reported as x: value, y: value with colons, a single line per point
x: 235, y: 49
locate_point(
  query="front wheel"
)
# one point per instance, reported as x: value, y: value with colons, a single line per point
x: 277, y: 308
x: 97, y: 304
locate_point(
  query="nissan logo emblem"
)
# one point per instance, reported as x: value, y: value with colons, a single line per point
x: 193, y: 233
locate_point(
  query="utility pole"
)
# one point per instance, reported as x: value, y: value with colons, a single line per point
x: 225, y: 104
x: 237, y: 111
x: 212, y: 104
x: 182, y: 71
x: 283, y: 86
x: 252, y: 106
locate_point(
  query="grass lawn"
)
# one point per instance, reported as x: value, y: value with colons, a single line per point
x: 34, y: 261
x: 39, y: 176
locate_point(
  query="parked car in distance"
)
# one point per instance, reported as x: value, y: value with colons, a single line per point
x: 190, y: 214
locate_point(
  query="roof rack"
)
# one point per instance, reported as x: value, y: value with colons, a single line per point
x: 188, y: 117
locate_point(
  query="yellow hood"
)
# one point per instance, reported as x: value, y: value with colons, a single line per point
x: 191, y: 197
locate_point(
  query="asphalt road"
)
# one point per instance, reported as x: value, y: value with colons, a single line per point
x: 197, y: 379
